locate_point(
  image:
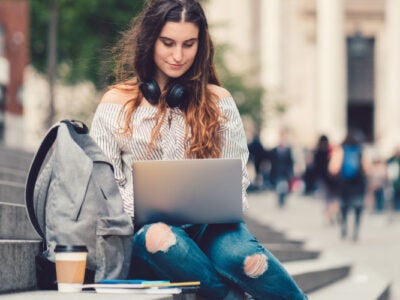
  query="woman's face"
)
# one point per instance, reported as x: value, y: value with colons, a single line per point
x: 175, y: 50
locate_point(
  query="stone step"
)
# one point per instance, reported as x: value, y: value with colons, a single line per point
x: 286, y: 246
x: 17, y: 261
x: 12, y: 192
x: 15, y: 151
x: 9, y: 174
x: 360, y: 284
x: 312, y: 275
x: 15, y: 159
x: 267, y: 234
x: 15, y: 224
x: 287, y: 252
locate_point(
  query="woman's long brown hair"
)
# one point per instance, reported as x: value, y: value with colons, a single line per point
x: 134, y: 59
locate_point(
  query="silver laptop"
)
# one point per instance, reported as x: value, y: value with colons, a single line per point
x: 195, y: 191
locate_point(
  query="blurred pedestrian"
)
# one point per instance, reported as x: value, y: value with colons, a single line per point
x: 326, y: 184
x: 308, y: 176
x: 394, y: 166
x: 281, y: 173
x: 349, y: 166
x: 377, y: 184
x: 257, y: 155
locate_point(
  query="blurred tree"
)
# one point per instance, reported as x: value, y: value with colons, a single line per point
x: 248, y: 97
x: 86, y: 31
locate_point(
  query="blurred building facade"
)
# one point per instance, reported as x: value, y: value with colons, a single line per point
x: 14, y: 57
x: 326, y: 65
x: 24, y: 93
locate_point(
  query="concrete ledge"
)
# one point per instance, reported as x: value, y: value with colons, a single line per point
x: 54, y: 295
x: 17, y: 260
x: 15, y: 224
x: 12, y: 192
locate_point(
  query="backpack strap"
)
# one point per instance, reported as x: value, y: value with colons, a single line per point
x: 37, y: 163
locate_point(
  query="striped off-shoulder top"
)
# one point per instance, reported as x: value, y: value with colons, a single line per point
x: 122, y: 150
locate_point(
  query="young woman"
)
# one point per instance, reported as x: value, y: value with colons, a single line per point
x: 169, y: 105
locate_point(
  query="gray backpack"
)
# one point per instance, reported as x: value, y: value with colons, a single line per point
x: 73, y: 199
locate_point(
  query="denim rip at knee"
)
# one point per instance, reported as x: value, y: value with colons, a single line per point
x: 173, y: 255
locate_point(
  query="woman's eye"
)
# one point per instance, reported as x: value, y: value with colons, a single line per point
x: 168, y: 44
x: 188, y: 45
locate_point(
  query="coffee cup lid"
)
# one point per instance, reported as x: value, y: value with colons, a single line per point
x: 71, y: 248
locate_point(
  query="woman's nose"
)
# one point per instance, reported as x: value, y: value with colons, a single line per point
x: 177, y: 54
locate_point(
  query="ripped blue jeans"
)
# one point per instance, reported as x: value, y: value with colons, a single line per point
x: 225, y: 258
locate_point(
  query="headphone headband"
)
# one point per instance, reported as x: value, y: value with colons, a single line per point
x: 177, y: 95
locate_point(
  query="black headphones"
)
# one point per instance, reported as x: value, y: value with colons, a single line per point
x: 177, y: 96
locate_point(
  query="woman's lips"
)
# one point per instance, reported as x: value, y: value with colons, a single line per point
x: 176, y: 66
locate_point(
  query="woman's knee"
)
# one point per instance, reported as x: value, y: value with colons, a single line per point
x: 248, y: 258
x: 255, y: 265
x: 158, y: 237
x: 251, y: 264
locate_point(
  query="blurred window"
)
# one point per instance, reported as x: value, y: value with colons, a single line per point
x: 2, y: 40
x: 20, y: 93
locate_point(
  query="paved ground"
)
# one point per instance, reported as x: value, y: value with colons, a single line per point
x: 378, y: 248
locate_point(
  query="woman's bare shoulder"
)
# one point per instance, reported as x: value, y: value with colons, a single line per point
x: 116, y: 95
x: 219, y: 91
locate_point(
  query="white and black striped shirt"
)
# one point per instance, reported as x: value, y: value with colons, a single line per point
x: 123, y: 150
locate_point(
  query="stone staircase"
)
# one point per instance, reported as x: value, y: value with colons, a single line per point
x: 19, y: 242
x: 323, y: 278
x: 323, y: 275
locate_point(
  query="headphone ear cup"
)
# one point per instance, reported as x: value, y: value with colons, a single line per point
x: 177, y: 96
x: 150, y: 90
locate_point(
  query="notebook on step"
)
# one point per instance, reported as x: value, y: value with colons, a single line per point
x: 194, y: 191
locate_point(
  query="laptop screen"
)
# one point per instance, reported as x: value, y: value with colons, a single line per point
x: 194, y: 191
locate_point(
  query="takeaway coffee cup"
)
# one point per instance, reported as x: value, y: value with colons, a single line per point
x: 70, y: 267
